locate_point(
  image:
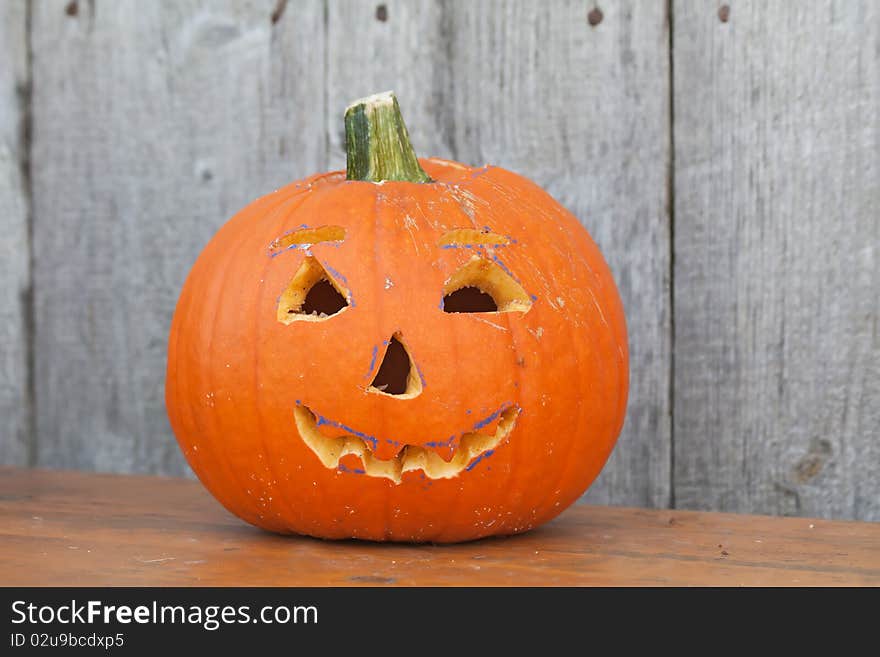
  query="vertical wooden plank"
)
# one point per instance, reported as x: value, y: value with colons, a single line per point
x: 777, y: 224
x: 153, y: 123
x: 15, y: 402
x: 388, y: 45
x: 584, y: 111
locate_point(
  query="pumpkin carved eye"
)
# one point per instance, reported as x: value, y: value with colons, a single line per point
x: 312, y: 295
x: 481, y: 286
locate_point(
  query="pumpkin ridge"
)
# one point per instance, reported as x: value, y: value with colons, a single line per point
x: 178, y: 387
x: 280, y: 491
x: 211, y: 429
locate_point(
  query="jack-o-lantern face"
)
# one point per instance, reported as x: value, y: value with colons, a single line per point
x: 479, y: 285
x: 430, y: 361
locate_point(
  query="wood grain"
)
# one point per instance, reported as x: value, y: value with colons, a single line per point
x: 581, y: 110
x: 777, y: 283
x: 81, y: 529
x: 405, y: 53
x: 153, y: 124
x: 15, y: 280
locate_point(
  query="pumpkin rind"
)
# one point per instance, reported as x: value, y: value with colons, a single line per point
x: 236, y: 373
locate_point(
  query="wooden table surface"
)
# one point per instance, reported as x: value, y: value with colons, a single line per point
x: 65, y: 528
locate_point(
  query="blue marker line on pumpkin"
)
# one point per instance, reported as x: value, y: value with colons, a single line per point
x: 442, y: 443
x: 473, y: 246
x: 479, y: 425
x: 336, y: 274
x: 510, y: 273
x: 373, y: 361
x: 487, y: 420
x: 273, y: 252
x: 504, y: 267
x: 342, y: 468
x: 321, y: 420
x: 482, y: 456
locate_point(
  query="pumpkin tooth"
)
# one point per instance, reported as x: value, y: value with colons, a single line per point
x: 472, y: 446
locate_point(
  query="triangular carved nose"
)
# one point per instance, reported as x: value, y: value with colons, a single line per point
x: 397, y: 375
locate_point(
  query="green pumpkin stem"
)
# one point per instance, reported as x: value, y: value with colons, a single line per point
x: 377, y: 144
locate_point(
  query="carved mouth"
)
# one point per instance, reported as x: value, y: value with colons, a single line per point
x: 472, y: 447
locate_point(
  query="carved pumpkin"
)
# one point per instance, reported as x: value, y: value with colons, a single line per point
x: 414, y: 350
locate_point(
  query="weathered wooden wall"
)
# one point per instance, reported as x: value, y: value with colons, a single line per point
x: 16, y: 433
x: 152, y: 123
x: 777, y: 282
x: 727, y: 168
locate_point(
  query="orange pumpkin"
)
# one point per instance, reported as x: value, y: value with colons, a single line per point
x: 414, y: 350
